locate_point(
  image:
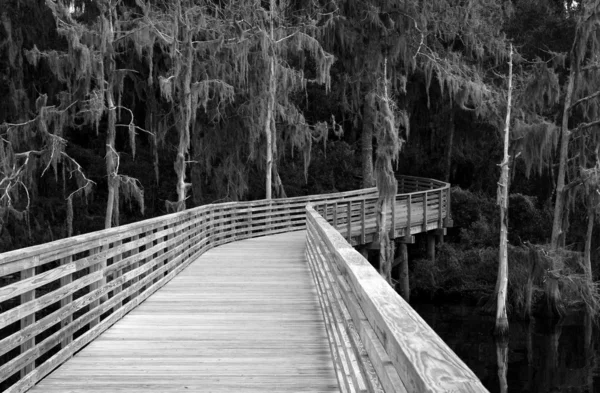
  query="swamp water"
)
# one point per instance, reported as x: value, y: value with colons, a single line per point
x: 542, y: 357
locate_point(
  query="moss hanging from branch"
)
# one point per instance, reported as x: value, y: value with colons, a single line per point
x: 536, y: 142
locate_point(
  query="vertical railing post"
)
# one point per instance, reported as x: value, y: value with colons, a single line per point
x: 335, y: 215
x: 233, y: 230
x: 349, y: 222
x: 117, y: 273
x: 325, y: 210
x: 448, y: 219
x: 425, y: 212
x: 363, y: 228
x: 29, y: 319
x: 135, y: 264
x: 440, y: 205
x: 218, y: 215
x: 98, y: 284
x: 66, y: 280
x: 210, y: 231
x: 393, y: 223
x: 407, y: 233
x: 249, y: 220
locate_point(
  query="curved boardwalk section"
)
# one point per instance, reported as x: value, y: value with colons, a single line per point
x: 227, y: 298
x: 244, y: 317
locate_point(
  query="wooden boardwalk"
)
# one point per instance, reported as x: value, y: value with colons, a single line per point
x: 243, y: 317
x: 221, y: 298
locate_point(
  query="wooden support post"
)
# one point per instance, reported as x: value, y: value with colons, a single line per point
x: 249, y: 232
x: 349, y: 222
x: 425, y: 212
x: 148, y: 245
x: 116, y: 275
x: 404, y: 282
x: 363, y: 228
x: 216, y: 218
x: 66, y: 280
x: 407, y: 233
x: 431, y: 246
x: 98, y: 266
x: 28, y: 320
x: 448, y: 219
x: 335, y: 215
x: 440, y: 213
x: 364, y: 251
x: 440, y: 233
x: 135, y: 264
x: 393, y: 223
x: 324, y: 211
x: 233, y: 230
x: 159, y: 241
x: 210, y: 228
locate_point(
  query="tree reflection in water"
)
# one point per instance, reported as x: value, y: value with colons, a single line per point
x: 502, y: 360
x: 540, y: 357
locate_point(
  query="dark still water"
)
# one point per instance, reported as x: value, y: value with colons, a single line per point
x: 542, y: 357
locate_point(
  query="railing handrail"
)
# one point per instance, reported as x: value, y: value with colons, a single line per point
x: 55, y: 245
x: 376, y: 321
x: 59, y: 244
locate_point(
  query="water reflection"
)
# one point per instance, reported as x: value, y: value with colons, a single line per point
x: 539, y: 357
x: 502, y: 360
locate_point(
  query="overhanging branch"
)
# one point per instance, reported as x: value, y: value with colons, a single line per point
x: 584, y: 99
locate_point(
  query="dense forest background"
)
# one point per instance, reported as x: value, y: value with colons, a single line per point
x: 114, y: 111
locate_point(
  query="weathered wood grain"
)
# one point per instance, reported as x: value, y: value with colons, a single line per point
x: 242, y: 317
x: 144, y: 256
x: 423, y: 361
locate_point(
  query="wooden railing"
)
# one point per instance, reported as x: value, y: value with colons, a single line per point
x: 421, y: 205
x: 379, y: 343
x: 57, y: 297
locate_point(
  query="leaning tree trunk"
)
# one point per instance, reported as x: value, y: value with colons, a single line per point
x: 502, y: 284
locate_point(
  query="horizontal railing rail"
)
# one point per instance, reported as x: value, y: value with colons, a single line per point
x: 55, y: 298
x: 379, y: 343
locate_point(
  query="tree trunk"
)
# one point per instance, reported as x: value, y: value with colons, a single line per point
x: 564, y: 153
x: 184, y: 130
x: 111, y: 133
x: 552, y: 289
x: 501, y: 317
x: 449, y: 147
x: 587, y: 254
x: 277, y: 183
x: 270, y: 120
x: 386, y: 248
x: 367, y: 146
x: 112, y: 176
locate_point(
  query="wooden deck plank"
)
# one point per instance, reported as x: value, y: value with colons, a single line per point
x: 244, y: 317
